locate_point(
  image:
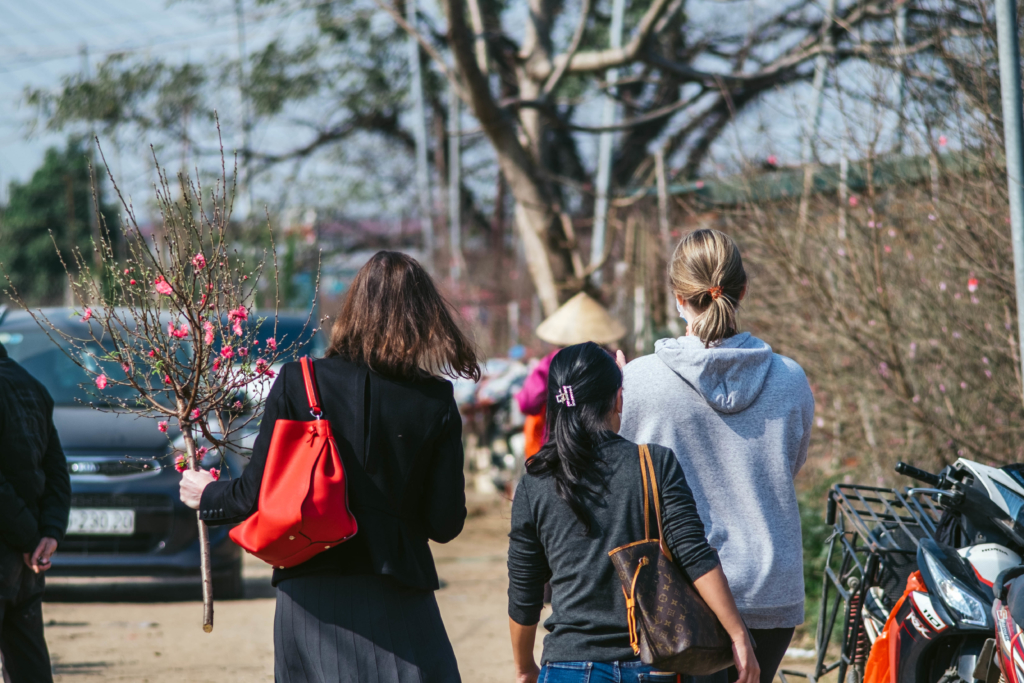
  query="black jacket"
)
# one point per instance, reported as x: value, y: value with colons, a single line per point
x: 401, y: 445
x: 547, y: 543
x: 35, y: 488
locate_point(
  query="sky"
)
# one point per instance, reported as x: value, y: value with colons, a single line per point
x: 43, y: 42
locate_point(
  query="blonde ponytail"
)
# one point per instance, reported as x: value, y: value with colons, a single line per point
x: 707, y: 273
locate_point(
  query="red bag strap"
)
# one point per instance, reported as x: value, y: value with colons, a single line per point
x: 312, y: 395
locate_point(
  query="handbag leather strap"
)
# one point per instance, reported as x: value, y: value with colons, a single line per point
x: 647, y: 473
x: 312, y: 395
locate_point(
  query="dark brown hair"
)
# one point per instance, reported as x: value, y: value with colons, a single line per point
x: 395, y: 321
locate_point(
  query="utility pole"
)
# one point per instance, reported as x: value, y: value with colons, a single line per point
x: 814, y: 116
x: 671, y: 315
x: 901, y: 65
x: 604, y: 147
x: 419, y: 129
x: 243, y: 93
x: 1013, y: 134
x: 94, y: 217
x: 454, y: 185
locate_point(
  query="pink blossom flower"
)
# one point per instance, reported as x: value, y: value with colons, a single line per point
x: 215, y: 473
x: 963, y: 385
x: 88, y: 314
x: 162, y: 286
x: 199, y: 261
x: 179, y: 333
x: 988, y: 373
x: 263, y: 368
x: 167, y: 379
x: 236, y: 327
x: 152, y: 353
x: 203, y: 450
x: 871, y: 224
x: 180, y: 462
x: 773, y: 160
x: 841, y: 251
x: 132, y: 282
x: 883, y: 369
x: 943, y: 140
x: 931, y: 216
x: 227, y: 352
x: 972, y: 285
x: 126, y: 368
x: 917, y: 399
x: 853, y: 200
x: 888, y: 249
x: 196, y: 414
x: 101, y: 382
x: 272, y: 344
x: 216, y: 364
x: 699, y: 184
x: 126, y: 271
x: 942, y: 286
x: 984, y: 359
x: 237, y: 405
x: 239, y: 313
x: 162, y: 426
x: 207, y: 332
x: 242, y: 352
x: 892, y: 233
x: 942, y: 388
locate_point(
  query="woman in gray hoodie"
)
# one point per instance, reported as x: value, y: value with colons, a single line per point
x: 738, y: 418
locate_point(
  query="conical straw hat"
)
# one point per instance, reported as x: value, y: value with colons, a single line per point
x: 581, y: 319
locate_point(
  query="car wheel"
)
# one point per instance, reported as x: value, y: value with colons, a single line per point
x: 229, y: 585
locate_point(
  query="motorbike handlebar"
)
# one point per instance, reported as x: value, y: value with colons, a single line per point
x: 919, y: 474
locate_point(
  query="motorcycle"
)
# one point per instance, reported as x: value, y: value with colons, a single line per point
x: 1006, y: 661
x: 914, y: 585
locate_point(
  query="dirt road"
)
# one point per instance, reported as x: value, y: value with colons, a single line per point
x: 151, y: 633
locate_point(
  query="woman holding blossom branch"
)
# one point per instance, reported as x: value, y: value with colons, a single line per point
x: 364, y: 609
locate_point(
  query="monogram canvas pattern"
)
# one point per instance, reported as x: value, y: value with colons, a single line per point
x: 675, y: 630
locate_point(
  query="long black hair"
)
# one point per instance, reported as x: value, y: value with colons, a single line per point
x: 584, y: 375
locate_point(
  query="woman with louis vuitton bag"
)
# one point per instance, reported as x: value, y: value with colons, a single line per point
x: 581, y: 500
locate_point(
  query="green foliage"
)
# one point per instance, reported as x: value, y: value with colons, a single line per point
x: 57, y: 201
x: 815, y: 534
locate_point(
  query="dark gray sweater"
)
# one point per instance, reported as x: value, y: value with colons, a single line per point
x: 547, y: 542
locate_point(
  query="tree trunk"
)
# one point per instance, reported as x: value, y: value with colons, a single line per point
x: 534, y: 216
x: 204, y: 535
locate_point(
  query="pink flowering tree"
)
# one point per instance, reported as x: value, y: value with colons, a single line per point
x: 170, y: 331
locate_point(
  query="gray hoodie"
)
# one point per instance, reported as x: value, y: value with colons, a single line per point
x: 739, y: 418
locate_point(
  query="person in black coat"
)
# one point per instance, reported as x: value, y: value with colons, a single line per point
x: 35, y: 501
x: 364, y: 610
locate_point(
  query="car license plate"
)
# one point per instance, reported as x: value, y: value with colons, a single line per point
x: 102, y: 522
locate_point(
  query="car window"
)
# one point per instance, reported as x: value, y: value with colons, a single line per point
x: 48, y: 363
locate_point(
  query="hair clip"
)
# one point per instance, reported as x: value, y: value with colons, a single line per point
x: 565, y: 396
x: 715, y: 292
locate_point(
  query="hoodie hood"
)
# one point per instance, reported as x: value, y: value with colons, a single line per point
x: 729, y: 375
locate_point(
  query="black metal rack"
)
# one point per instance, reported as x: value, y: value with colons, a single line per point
x: 874, y: 542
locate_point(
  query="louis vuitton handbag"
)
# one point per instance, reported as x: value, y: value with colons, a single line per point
x: 670, y: 625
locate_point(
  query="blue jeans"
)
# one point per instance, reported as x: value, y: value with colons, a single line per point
x: 633, y: 671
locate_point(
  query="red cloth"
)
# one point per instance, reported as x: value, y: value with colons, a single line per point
x: 535, y: 428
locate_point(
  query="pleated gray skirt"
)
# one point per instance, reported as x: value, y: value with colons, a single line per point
x: 359, y: 629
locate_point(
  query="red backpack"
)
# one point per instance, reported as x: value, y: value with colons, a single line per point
x: 303, y: 505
